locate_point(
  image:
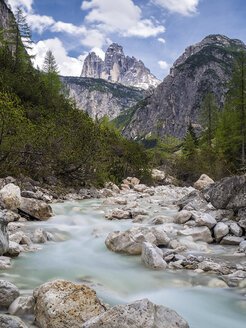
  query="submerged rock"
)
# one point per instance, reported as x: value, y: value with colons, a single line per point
x: 62, y: 304
x: 140, y: 314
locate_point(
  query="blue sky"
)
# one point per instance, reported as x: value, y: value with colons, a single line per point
x: 155, y: 31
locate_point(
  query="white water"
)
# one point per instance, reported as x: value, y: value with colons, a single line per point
x: 84, y: 258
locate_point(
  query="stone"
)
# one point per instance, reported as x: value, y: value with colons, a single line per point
x: 140, y: 188
x: 158, y: 220
x: 198, y: 234
x: 131, y: 181
x: 119, y: 215
x: 39, y: 236
x: 203, y: 219
x: 231, y: 240
x: 129, y: 241
x: 209, y: 266
x: 35, y: 209
x: 63, y: 304
x: 12, y: 216
x: 138, y: 211
x: 124, y: 186
x: 152, y: 256
x: 9, y: 321
x: 4, y: 238
x: 5, y: 262
x: 113, y: 187
x: 228, y: 193
x: 242, y: 246
x: 203, y: 182
x: 220, y: 230
x: 14, y: 249
x: 10, y: 196
x: 182, y: 217
x: 23, y: 305
x: 236, y: 230
x: 140, y: 314
x: 8, y: 293
x: 20, y: 238
x: 162, y: 238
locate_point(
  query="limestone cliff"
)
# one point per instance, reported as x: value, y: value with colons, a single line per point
x: 99, y: 97
x: 202, y: 68
x: 119, y: 68
x: 5, y: 14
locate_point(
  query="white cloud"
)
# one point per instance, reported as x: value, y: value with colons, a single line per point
x: 163, y: 64
x: 183, y: 7
x: 161, y: 40
x: 68, y: 28
x: 26, y: 4
x: 94, y: 39
x: 121, y: 16
x: 67, y: 65
x: 39, y: 23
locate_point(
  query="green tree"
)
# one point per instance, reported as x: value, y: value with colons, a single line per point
x: 237, y: 96
x: 50, y: 65
x: 209, y: 117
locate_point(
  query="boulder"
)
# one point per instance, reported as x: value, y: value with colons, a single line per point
x: 63, y: 304
x: 35, y: 209
x: 23, y: 305
x: 9, y: 321
x: 138, y: 211
x: 242, y: 246
x: 152, y: 256
x: 20, y: 238
x: 39, y: 236
x: 140, y: 188
x: 131, y: 181
x: 124, y: 186
x: 198, y: 234
x: 236, y: 230
x: 220, y: 230
x: 14, y: 249
x: 181, y: 203
x: 10, y: 196
x: 203, y: 219
x: 209, y: 266
x: 4, y: 239
x: 228, y: 193
x: 203, y: 182
x: 140, y: 314
x: 129, y: 241
x: 160, y: 220
x: 231, y: 240
x: 113, y: 187
x: 182, y: 217
x: 118, y: 214
x: 8, y: 293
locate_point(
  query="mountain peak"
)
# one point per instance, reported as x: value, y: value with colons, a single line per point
x: 119, y: 68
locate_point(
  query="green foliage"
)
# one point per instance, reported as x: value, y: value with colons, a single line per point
x: 42, y: 132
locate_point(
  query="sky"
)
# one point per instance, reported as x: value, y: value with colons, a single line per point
x: 155, y: 31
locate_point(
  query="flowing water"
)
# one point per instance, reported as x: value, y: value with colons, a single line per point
x: 81, y: 256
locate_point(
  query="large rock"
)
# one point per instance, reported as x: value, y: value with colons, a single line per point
x: 62, y: 304
x: 140, y: 314
x: 182, y: 217
x: 231, y: 240
x: 204, y: 219
x: 220, y: 231
x: 8, y: 293
x: 228, y: 193
x: 152, y: 256
x: 9, y: 321
x: 35, y: 209
x: 131, y: 240
x: 203, y: 182
x: 198, y: 234
x: 10, y: 196
x: 4, y: 239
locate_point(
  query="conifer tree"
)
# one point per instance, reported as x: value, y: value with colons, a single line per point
x: 209, y: 117
x: 50, y: 65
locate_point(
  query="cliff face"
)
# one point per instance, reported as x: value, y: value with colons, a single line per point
x: 204, y: 67
x: 99, y: 97
x: 119, y: 68
x: 5, y: 14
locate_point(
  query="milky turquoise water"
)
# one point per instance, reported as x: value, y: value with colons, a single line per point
x: 81, y: 256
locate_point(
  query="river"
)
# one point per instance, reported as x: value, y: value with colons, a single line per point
x: 80, y: 255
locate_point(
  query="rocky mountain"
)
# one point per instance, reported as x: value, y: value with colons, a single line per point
x: 99, y: 97
x: 119, y: 68
x: 5, y: 14
x: 203, y: 67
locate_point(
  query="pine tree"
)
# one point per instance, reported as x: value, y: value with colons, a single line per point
x: 237, y: 96
x: 209, y: 117
x: 191, y: 131
x: 50, y: 65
